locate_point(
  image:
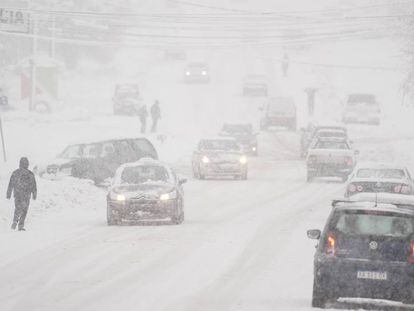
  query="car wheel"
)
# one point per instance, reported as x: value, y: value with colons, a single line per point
x: 319, y: 296
x: 110, y: 219
x: 178, y: 217
x: 310, y: 176
x: 201, y: 175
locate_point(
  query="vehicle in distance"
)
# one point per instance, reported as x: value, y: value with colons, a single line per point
x: 197, y: 72
x: 362, y: 108
x: 98, y: 160
x: 316, y: 131
x: 365, y: 251
x: 126, y: 99
x: 147, y: 190
x: 330, y: 157
x: 379, y: 177
x: 279, y: 111
x: 219, y: 157
x: 243, y: 134
x: 255, y: 85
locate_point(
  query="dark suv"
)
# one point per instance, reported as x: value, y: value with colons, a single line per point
x: 366, y: 251
x: 98, y: 160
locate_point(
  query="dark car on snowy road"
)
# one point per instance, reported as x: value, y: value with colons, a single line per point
x: 365, y: 251
x: 243, y: 134
x: 219, y: 157
x: 147, y: 191
x: 98, y: 160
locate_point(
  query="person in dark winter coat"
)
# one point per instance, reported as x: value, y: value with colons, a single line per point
x: 23, y: 185
x: 155, y: 115
x: 143, y: 115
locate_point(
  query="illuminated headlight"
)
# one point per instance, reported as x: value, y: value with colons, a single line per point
x: 187, y: 73
x: 204, y: 73
x: 117, y: 197
x: 254, y: 148
x: 205, y: 160
x: 243, y: 160
x: 168, y: 196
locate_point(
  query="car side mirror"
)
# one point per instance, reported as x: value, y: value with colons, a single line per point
x: 314, y: 234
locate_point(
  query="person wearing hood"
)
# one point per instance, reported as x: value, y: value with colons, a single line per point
x: 155, y: 115
x: 23, y: 186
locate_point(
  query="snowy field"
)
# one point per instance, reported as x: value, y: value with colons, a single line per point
x: 243, y: 244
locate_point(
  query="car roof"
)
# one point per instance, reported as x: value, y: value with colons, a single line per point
x: 332, y: 139
x: 346, y: 205
x: 378, y: 165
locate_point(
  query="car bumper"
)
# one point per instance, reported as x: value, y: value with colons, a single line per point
x: 329, y: 170
x: 223, y: 169
x: 341, y: 277
x: 139, y: 211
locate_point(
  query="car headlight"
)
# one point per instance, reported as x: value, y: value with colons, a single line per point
x: 187, y: 73
x: 168, y: 196
x: 117, y: 197
x: 205, y: 160
x: 254, y: 148
x: 204, y: 72
x: 243, y: 160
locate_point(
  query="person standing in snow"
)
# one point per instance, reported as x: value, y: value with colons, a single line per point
x: 23, y: 185
x: 155, y: 115
x: 143, y: 115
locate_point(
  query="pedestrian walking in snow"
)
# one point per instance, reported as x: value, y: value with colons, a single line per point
x: 155, y: 115
x: 143, y: 115
x: 23, y: 186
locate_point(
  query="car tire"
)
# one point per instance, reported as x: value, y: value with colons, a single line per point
x: 178, y: 218
x: 111, y: 220
x: 310, y: 176
x: 201, y: 175
x: 319, y: 296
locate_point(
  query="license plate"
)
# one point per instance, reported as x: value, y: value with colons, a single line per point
x: 372, y: 275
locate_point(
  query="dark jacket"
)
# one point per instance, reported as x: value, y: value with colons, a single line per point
x: 155, y: 111
x: 22, y: 182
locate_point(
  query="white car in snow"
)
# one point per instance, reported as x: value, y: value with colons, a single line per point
x: 378, y: 178
x: 330, y: 157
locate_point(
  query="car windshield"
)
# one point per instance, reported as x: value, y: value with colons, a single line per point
x: 374, y: 223
x: 238, y: 129
x: 71, y: 152
x: 220, y: 144
x: 331, y: 145
x: 381, y: 173
x: 143, y: 173
x: 330, y: 134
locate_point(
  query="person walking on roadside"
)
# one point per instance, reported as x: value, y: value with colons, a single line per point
x: 23, y: 185
x: 155, y: 115
x: 143, y: 115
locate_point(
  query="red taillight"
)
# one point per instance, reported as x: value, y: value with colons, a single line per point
x: 411, y: 259
x: 348, y: 161
x: 352, y: 188
x: 360, y: 188
x: 397, y: 189
x: 405, y: 189
x: 331, y: 245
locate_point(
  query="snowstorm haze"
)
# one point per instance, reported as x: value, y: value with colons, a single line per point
x: 180, y: 151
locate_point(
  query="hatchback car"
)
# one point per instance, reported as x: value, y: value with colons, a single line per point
x: 379, y: 177
x: 365, y: 251
x: 147, y: 190
x: 219, y: 157
x: 279, y: 111
x: 362, y: 108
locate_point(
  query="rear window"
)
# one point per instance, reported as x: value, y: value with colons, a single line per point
x: 361, y: 98
x: 331, y: 145
x: 381, y: 173
x: 71, y: 152
x: 374, y: 224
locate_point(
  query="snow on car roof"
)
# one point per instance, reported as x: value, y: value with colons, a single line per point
x: 378, y: 165
x: 99, y: 141
x: 372, y: 206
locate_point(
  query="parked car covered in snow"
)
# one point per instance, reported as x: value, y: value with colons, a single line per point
x: 330, y: 157
x: 255, y: 85
x: 98, y: 160
x: 316, y: 131
x: 219, y: 157
x: 126, y: 99
x: 244, y: 135
x: 362, y: 108
x: 197, y: 72
x: 146, y: 190
x: 379, y: 177
x: 279, y: 111
x: 365, y: 251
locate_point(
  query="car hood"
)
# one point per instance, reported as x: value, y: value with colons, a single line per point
x: 150, y: 190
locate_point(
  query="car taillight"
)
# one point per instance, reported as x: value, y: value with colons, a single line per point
x: 331, y: 245
x: 397, y: 189
x: 359, y: 188
x: 411, y: 259
x: 405, y: 189
x: 348, y: 161
x: 352, y: 188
